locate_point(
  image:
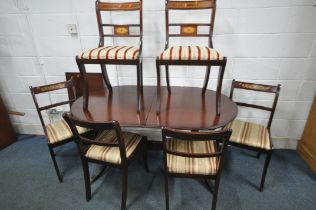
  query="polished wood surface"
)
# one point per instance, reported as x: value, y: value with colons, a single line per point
x: 120, y: 105
x: 183, y: 5
x: 184, y: 108
x: 123, y: 6
x: 95, y: 82
x: 307, y: 146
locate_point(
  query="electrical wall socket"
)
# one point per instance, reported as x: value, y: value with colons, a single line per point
x: 72, y: 29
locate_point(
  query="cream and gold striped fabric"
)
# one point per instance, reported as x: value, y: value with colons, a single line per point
x: 59, y: 131
x: 190, y: 53
x: 186, y: 165
x: 112, y: 154
x: 112, y: 53
x: 249, y: 134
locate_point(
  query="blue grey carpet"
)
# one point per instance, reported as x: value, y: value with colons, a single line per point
x: 28, y: 181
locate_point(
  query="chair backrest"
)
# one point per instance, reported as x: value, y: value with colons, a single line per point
x: 190, y: 29
x: 220, y: 139
x: 119, y: 30
x: 70, y: 85
x: 261, y: 88
x: 98, y: 128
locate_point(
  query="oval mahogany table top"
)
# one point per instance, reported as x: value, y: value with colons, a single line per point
x: 184, y: 108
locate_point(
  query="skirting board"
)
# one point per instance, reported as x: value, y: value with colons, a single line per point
x: 307, y: 155
x: 153, y: 134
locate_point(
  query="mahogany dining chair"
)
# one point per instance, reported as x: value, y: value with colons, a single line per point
x: 194, y: 155
x: 204, y: 55
x: 114, y: 54
x: 253, y: 136
x: 58, y: 132
x: 110, y: 147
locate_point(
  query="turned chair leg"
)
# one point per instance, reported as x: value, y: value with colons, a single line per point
x: 265, y: 169
x: 124, y: 188
x: 52, y: 154
x: 87, y: 183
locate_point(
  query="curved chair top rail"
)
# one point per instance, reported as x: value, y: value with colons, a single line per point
x: 52, y: 87
x: 69, y: 84
x: 191, y: 135
x: 122, y: 6
x: 216, y: 136
x: 190, y: 5
x: 256, y: 87
x: 93, y: 124
x: 119, y: 30
x: 190, y: 29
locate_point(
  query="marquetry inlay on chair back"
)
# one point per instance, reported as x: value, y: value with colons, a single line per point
x: 273, y: 89
x: 190, y: 29
x: 119, y: 30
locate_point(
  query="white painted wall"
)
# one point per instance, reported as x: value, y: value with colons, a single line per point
x: 271, y: 41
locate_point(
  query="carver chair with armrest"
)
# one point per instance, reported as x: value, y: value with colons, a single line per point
x: 110, y: 147
x: 194, y: 155
x: 117, y: 55
x: 250, y: 135
x: 57, y: 132
x: 204, y: 55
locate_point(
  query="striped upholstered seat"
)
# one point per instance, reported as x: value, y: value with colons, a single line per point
x: 59, y: 131
x: 112, y: 154
x: 112, y: 53
x: 249, y: 134
x: 188, y: 165
x: 190, y: 53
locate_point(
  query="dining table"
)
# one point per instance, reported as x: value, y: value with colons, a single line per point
x: 184, y: 108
